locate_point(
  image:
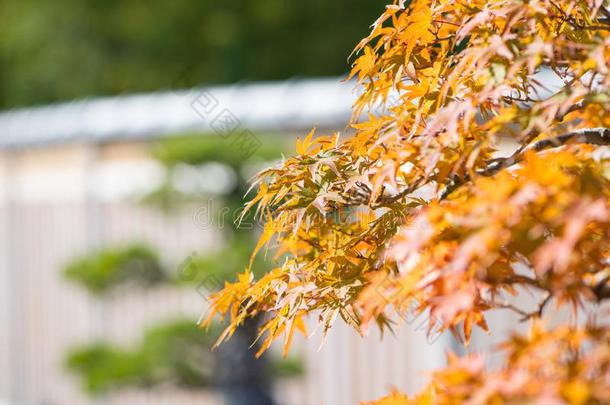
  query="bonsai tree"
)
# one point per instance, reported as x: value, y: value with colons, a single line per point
x: 174, y: 351
x: 483, y: 174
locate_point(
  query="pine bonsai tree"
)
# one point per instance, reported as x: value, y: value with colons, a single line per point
x: 173, y: 352
x: 424, y: 204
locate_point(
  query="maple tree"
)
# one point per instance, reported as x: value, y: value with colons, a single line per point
x: 479, y: 177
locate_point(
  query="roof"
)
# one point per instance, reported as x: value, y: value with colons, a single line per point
x: 270, y: 106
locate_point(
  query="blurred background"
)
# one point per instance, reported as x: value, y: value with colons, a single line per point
x: 128, y: 133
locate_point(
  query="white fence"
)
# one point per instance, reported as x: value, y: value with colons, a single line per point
x: 44, y: 315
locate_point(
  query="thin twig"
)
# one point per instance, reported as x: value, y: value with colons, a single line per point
x: 446, y: 22
x: 538, y: 312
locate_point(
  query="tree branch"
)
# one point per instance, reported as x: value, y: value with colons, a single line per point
x: 392, y: 199
x: 510, y: 307
x: 592, y: 136
x: 540, y: 310
x: 602, y: 289
x: 578, y: 106
x: 525, y: 315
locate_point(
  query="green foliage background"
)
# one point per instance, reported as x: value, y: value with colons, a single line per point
x: 64, y: 49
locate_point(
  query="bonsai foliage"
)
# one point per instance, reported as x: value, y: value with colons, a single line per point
x: 174, y: 352
x: 483, y: 173
x: 102, y: 271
